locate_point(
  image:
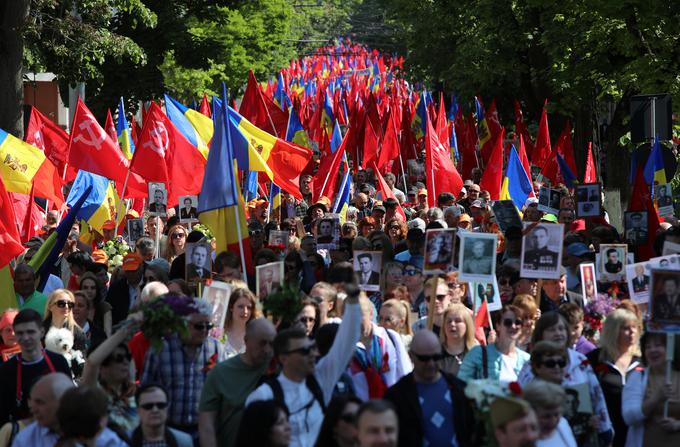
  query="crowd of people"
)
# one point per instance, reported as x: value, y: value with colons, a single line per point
x: 353, y: 367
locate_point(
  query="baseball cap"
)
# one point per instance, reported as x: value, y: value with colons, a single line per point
x: 477, y: 204
x: 132, y: 214
x: 577, y: 249
x: 100, y: 257
x: 417, y: 223
x: 7, y: 318
x: 531, y: 201
x: 131, y: 262
x: 422, y: 192
x: 109, y: 225
x: 549, y: 218
x: 379, y: 208
x: 467, y: 183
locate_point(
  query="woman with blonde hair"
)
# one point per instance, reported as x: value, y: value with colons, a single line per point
x: 457, y: 337
x: 59, y: 314
x: 531, y: 313
x: 175, y: 243
x: 615, y: 360
x: 396, y: 315
x: 241, y: 309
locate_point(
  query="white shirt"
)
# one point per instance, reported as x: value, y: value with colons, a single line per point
x: 35, y: 435
x: 305, y: 423
x: 507, y: 373
x: 561, y: 437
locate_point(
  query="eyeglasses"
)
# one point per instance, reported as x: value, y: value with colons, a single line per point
x: 178, y: 235
x: 203, y: 326
x: 63, y: 303
x: 427, y: 358
x: 439, y: 297
x: 349, y: 418
x: 306, y: 320
x: 303, y: 351
x: 152, y: 405
x: 411, y: 272
x: 119, y: 358
x: 508, y: 322
x: 551, y: 363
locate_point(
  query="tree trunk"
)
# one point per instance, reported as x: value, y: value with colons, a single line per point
x: 13, y: 15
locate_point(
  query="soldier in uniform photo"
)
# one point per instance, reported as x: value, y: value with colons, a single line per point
x: 636, y: 233
x: 613, y: 264
x: 480, y: 262
x: 667, y: 303
x: 366, y: 274
x: 664, y: 197
x: 540, y: 257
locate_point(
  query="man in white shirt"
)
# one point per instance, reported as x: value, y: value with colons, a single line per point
x: 302, y: 382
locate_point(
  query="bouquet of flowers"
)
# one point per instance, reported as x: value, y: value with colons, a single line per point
x: 116, y: 249
x: 284, y: 304
x: 595, y: 312
x: 166, y: 316
x: 483, y: 392
x: 205, y: 230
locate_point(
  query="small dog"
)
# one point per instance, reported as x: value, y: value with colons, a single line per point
x: 61, y: 341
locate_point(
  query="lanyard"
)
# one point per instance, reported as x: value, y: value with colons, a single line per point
x: 50, y: 366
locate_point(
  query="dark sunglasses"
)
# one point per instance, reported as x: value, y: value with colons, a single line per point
x: 63, y: 303
x: 427, y: 358
x: 203, y: 326
x: 303, y: 351
x: 411, y: 272
x: 119, y: 358
x: 508, y: 322
x: 178, y: 235
x: 152, y: 405
x: 439, y: 297
x: 550, y: 363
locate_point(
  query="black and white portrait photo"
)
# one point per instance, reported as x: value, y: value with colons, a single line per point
x: 549, y: 200
x: 367, y: 266
x: 635, y: 223
x: 665, y: 299
x: 187, y: 209
x: 613, y: 257
x: 506, y: 214
x: 217, y: 294
x: 477, y: 256
x: 542, y: 251
x: 198, y: 262
x: 588, y: 200
x: 278, y: 238
x: 439, y: 249
x: 664, y: 199
x: 135, y: 230
x: 268, y: 278
x: 480, y: 291
x: 328, y: 232
x: 158, y: 199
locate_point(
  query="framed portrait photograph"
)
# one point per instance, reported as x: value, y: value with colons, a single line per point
x: 188, y: 206
x: 477, y: 256
x: 218, y: 294
x: 439, y: 250
x: 478, y: 291
x: 638, y: 276
x: 158, y: 199
x: 278, y: 239
x: 664, y: 300
x: 588, y: 282
x: 588, y: 200
x: 670, y: 248
x: 635, y: 227
x: 506, y: 214
x: 268, y: 278
x: 542, y: 250
x: 198, y: 262
x: 612, y: 259
x: 135, y: 230
x: 664, y: 199
x: 367, y: 267
x: 328, y: 232
x: 578, y: 410
x: 549, y: 200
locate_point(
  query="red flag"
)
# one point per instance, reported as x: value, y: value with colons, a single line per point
x: 205, y: 107
x: 442, y: 129
x: 523, y: 156
x: 522, y: 129
x: 370, y: 144
x: 467, y: 145
x: 386, y: 192
x: 327, y: 176
x: 91, y: 148
x: 150, y: 157
x: 390, y: 144
x: 641, y: 200
x: 590, y: 175
x: 135, y: 131
x: 408, y: 140
x: 28, y: 230
x: 543, y: 149
x: 482, y: 317
x: 492, y: 178
x: 47, y: 136
x: 261, y: 110
x: 110, y: 128
x: 10, y: 240
x: 441, y: 173
x: 566, y: 149
x: 33, y: 219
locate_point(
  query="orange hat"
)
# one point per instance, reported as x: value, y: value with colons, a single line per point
x: 131, y: 262
x: 132, y: 213
x: 99, y: 256
x: 109, y: 225
x: 422, y: 192
x: 7, y: 318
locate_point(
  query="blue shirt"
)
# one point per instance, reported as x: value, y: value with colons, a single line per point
x: 36, y: 435
x: 435, y: 401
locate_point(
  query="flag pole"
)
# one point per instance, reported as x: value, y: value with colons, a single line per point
x: 403, y: 174
x: 236, y: 213
x: 158, y: 237
x: 119, y: 216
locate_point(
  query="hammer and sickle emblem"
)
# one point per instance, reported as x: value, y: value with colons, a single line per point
x: 39, y: 141
x: 159, y: 139
x: 95, y: 133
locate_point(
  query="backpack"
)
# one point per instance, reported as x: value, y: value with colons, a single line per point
x: 311, y: 383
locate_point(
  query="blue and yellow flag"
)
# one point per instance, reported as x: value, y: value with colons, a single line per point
x: 196, y: 127
x: 482, y: 126
x: 336, y: 139
x: 123, y: 133
x: 102, y: 202
x: 327, y: 116
x: 655, y: 172
x: 274, y: 199
x: 295, y: 132
x: 280, y: 96
x: 342, y: 199
x: 516, y: 184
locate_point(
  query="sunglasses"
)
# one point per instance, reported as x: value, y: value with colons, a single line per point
x: 119, y: 358
x: 550, y: 363
x: 439, y: 297
x: 427, y: 358
x: 307, y: 350
x: 63, y: 303
x: 178, y: 235
x: 152, y: 405
x: 508, y: 322
x: 255, y: 232
x: 203, y: 326
x: 411, y: 272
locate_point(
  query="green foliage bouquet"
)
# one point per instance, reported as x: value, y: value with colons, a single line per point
x: 166, y: 316
x: 283, y: 305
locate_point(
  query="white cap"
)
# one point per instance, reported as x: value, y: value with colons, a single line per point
x: 417, y: 223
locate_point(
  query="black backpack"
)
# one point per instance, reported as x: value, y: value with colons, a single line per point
x: 311, y: 383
